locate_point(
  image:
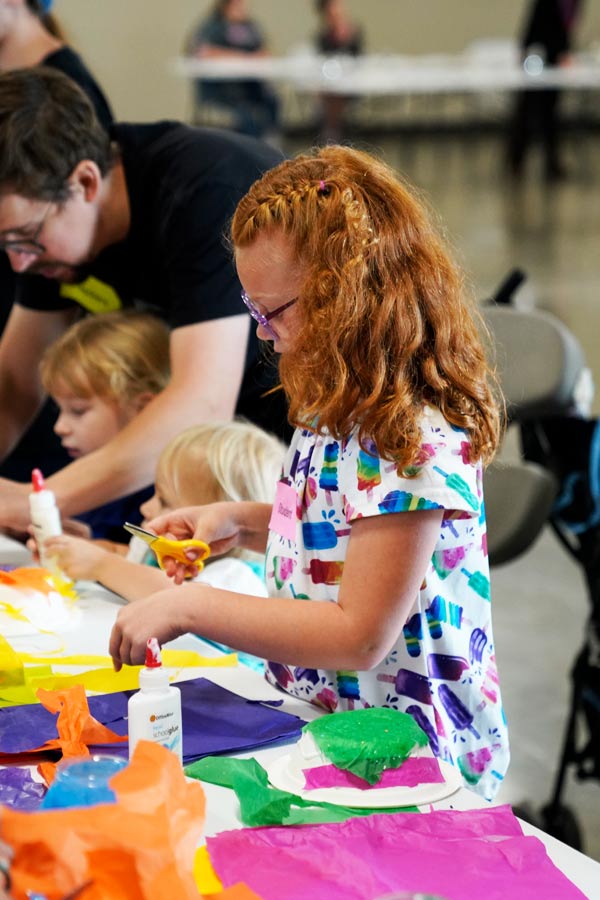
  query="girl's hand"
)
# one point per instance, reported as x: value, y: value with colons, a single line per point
x: 216, y: 524
x: 162, y: 615
x: 80, y: 560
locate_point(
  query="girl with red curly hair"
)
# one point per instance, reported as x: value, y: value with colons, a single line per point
x: 376, y: 545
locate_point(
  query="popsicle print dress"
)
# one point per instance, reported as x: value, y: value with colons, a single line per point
x: 442, y: 669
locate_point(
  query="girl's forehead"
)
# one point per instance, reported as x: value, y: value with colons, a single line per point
x: 271, y: 247
x: 270, y: 259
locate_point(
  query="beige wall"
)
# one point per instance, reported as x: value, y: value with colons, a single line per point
x: 129, y: 43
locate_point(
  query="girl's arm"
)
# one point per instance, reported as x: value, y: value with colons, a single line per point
x: 387, y: 559
x: 84, y: 560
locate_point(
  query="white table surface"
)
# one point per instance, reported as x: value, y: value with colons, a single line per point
x: 378, y: 74
x: 90, y: 635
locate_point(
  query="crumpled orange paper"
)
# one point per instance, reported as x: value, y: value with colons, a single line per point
x: 75, y: 725
x: 37, y: 579
x: 140, y: 848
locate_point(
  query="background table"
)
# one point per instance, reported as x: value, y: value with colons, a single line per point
x: 392, y: 74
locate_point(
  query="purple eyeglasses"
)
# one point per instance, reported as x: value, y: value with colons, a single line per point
x: 263, y: 319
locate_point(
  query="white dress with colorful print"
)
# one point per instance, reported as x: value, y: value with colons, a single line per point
x: 442, y: 668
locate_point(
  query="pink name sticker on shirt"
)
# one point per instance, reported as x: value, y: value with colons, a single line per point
x: 283, y: 517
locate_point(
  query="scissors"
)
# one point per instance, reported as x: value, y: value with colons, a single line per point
x: 162, y: 546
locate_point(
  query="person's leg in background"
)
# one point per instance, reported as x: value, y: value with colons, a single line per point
x: 550, y: 134
x: 520, y: 132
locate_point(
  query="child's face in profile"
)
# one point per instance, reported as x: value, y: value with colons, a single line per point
x: 195, y: 485
x: 272, y: 276
x: 85, y: 424
x: 164, y: 499
x: 155, y: 506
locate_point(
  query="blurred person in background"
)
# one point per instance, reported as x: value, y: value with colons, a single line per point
x: 30, y: 36
x: 230, y: 33
x: 337, y: 34
x: 547, y: 34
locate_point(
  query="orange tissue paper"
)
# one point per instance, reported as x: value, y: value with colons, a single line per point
x: 140, y: 848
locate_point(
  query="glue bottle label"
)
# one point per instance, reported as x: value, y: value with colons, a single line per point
x: 154, y: 713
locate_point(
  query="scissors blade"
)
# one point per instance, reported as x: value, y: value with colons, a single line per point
x: 142, y: 533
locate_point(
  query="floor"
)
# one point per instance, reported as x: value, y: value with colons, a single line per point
x: 552, y: 232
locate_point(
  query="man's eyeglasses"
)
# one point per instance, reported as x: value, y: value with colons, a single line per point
x: 264, y: 319
x: 28, y: 245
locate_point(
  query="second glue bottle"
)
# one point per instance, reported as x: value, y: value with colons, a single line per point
x: 45, y: 519
x: 154, y: 713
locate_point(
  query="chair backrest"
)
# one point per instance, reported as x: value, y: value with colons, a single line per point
x: 539, y: 363
x: 518, y: 501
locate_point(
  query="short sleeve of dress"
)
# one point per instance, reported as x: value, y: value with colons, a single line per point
x: 442, y: 478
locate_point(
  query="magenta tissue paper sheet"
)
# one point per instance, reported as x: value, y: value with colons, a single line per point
x: 456, y: 855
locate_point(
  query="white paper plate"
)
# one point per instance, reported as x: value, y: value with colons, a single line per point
x: 285, y: 773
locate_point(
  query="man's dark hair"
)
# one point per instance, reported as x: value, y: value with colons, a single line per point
x: 47, y: 126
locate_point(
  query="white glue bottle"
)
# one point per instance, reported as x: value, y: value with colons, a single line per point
x: 154, y: 713
x: 45, y: 518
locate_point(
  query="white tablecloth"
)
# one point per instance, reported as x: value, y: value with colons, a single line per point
x: 90, y: 636
x: 383, y: 75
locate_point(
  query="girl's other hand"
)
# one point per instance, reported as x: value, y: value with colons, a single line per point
x: 79, y: 559
x: 179, y: 524
x: 215, y: 524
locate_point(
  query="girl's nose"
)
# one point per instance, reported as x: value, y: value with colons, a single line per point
x: 150, y: 509
x: 60, y: 426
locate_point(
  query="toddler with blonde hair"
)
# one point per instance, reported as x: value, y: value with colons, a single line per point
x: 210, y: 463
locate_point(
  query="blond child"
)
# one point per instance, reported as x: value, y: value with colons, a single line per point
x: 101, y: 373
x: 211, y: 463
x: 376, y: 560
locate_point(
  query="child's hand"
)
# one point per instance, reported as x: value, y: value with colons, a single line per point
x: 179, y: 524
x: 163, y: 615
x: 32, y: 545
x: 215, y: 524
x: 70, y: 526
x: 80, y: 560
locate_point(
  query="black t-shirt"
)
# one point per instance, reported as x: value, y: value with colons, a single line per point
x: 183, y: 185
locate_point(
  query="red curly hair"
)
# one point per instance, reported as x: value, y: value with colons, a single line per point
x: 384, y: 323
